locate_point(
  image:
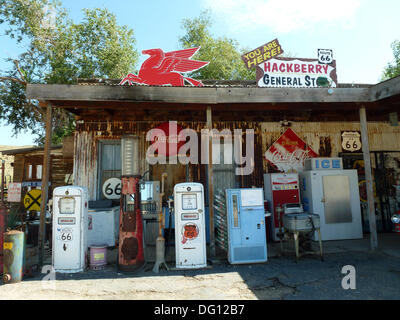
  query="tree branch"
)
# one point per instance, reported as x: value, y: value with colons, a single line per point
x: 19, y: 71
x: 14, y: 80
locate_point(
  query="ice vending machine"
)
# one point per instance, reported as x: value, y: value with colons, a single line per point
x: 70, y: 225
x: 246, y: 226
x: 190, y: 228
x: 280, y: 188
x: 333, y: 194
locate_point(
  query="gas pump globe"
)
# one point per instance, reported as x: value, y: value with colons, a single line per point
x: 130, y: 249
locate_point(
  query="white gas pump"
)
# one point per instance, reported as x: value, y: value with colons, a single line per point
x: 70, y: 225
x: 190, y: 228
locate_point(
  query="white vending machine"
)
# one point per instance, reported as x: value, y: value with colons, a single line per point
x: 70, y: 227
x: 332, y: 192
x: 190, y: 228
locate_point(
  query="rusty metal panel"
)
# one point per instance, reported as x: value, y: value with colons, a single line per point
x: 325, y: 137
x: 85, y: 162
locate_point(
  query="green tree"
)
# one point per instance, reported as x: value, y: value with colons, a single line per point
x: 223, y: 53
x: 58, y: 51
x: 393, y: 68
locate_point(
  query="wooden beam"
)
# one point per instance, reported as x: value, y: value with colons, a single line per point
x: 121, y: 93
x: 45, y: 183
x: 368, y: 178
x: 210, y: 183
x: 291, y: 95
x: 385, y: 89
x: 195, y: 95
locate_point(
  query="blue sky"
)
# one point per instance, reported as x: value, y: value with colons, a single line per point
x: 359, y: 32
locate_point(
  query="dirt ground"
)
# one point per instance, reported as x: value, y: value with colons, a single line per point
x: 377, y: 274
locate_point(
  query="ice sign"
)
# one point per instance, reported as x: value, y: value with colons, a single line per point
x: 189, y: 202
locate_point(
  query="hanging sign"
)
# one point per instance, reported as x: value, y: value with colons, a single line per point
x: 165, y: 68
x: 296, y: 73
x: 14, y: 192
x: 351, y: 141
x: 289, y: 152
x: 264, y: 53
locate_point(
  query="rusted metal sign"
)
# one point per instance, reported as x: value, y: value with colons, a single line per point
x: 264, y: 53
x: 289, y: 152
x: 351, y: 141
x: 296, y: 73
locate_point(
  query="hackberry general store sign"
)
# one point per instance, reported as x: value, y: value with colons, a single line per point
x: 296, y: 73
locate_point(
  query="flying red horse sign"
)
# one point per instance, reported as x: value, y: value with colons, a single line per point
x: 165, y: 68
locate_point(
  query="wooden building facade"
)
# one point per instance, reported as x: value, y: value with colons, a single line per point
x: 105, y: 112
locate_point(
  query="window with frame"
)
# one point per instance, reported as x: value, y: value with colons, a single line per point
x: 109, y: 163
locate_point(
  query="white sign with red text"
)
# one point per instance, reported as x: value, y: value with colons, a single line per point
x: 14, y: 192
x: 296, y: 73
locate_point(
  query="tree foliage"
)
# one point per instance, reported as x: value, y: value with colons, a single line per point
x: 223, y: 53
x: 58, y: 51
x: 393, y: 68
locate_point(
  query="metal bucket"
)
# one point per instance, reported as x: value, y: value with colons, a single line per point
x: 14, y: 250
x: 98, y: 257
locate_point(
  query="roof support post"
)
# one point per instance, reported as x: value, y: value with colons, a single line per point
x: 45, y: 183
x: 368, y: 178
x: 210, y: 183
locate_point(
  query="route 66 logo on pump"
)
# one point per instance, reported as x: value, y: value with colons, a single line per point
x: 190, y: 231
x: 351, y: 141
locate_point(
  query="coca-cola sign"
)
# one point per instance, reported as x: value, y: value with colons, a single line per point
x: 289, y: 152
x: 167, y: 135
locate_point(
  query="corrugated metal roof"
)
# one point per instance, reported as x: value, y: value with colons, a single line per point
x: 26, y: 150
x: 207, y: 83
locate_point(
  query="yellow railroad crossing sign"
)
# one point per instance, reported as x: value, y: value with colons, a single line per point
x: 32, y: 200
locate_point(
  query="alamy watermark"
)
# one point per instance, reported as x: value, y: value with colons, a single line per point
x: 188, y: 142
x: 349, y: 280
x: 48, y: 281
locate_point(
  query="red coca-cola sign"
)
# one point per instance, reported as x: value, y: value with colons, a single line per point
x: 289, y: 152
x: 166, y: 141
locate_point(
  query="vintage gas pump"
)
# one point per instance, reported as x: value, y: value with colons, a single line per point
x: 190, y: 228
x: 130, y: 249
x: 70, y: 225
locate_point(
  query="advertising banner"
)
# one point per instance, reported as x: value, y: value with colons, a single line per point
x: 289, y: 152
x: 264, y: 53
x: 296, y: 73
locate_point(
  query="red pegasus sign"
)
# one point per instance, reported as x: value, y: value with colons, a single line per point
x: 165, y: 68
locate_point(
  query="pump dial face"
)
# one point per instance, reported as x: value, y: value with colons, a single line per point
x: 67, y: 205
x: 189, y: 202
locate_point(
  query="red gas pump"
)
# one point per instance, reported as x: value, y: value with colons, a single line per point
x: 130, y: 249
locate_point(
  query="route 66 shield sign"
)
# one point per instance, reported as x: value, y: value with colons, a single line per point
x: 351, y: 141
